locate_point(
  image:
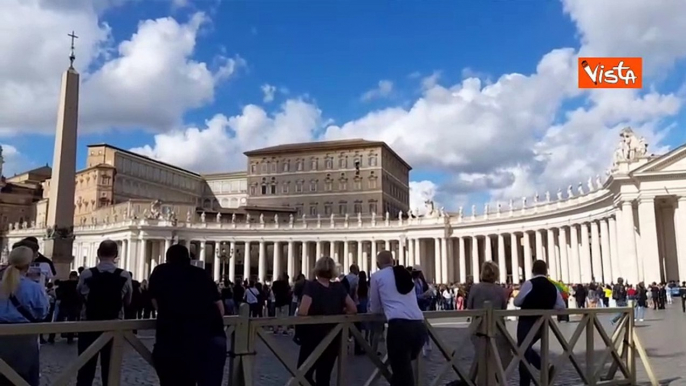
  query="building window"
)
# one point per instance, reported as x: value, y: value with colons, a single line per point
x: 313, y: 210
x: 313, y: 186
x: 253, y: 168
x: 358, y: 184
x: 372, y: 207
x: 286, y: 166
x: 327, y: 209
x: 253, y: 190
x: 357, y: 207
x: 299, y: 209
x: 264, y: 189
x: 328, y: 185
x: 265, y: 166
x: 343, y: 207
x: 299, y: 187
x: 299, y: 165
x: 284, y: 188
x: 314, y: 164
x: 274, y: 165
x: 372, y: 160
x: 272, y: 188
x: 343, y: 162
x: 372, y: 183
x: 328, y: 163
x: 343, y: 185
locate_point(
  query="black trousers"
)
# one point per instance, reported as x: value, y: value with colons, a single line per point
x: 320, y: 373
x: 534, y: 359
x: 200, y: 363
x: 87, y: 372
x: 69, y: 314
x: 404, y: 342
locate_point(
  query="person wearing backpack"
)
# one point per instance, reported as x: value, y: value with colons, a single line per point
x: 106, y: 290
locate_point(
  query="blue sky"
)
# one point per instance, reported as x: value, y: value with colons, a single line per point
x: 329, y: 53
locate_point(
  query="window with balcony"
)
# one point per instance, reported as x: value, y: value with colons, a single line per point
x: 313, y: 186
x: 372, y: 207
x: 328, y: 209
x: 313, y: 210
x: 328, y: 163
x: 343, y: 162
x: 357, y: 207
x: 314, y: 164
x: 299, y: 165
x: 342, y: 207
x: 286, y: 166
x: 299, y: 187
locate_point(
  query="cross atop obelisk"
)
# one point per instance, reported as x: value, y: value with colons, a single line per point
x: 72, y: 56
x: 59, y: 237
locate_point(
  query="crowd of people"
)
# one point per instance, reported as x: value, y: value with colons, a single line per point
x: 188, y: 306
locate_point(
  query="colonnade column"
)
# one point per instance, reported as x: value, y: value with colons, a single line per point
x: 216, y: 265
x: 437, y: 261
x: 318, y: 250
x: 501, y: 258
x: 605, y: 251
x: 514, y: 257
x: 232, y: 261
x: 246, y: 261
x: 649, y: 250
x: 526, y: 244
x: 291, y: 261
x: 552, y: 256
x: 346, y: 255
x: 305, y: 254
x: 597, y: 265
x: 627, y: 244
x: 410, y: 252
x: 614, y: 254
x: 358, y: 262
x: 462, y: 258
x: 130, y: 253
x: 564, y: 261
x: 488, y: 248
x: 574, y: 263
x: 203, y: 256
x: 373, y: 257
x: 332, y: 250
x: 538, y: 234
x: 585, y: 255
x: 418, y: 252
x: 444, y: 260
x: 277, y: 270
x: 679, y: 232
x: 140, y: 272
x: 476, y: 269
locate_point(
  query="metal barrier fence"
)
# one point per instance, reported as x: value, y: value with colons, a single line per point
x: 488, y: 326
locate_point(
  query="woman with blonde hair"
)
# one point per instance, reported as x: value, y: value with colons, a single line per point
x: 22, y: 300
x: 322, y: 296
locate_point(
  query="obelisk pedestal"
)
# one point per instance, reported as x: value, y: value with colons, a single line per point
x: 59, y: 238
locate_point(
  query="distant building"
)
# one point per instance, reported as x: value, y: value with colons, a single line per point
x: 334, y: 177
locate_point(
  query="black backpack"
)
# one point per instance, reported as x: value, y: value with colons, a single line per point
x: 104, y: 300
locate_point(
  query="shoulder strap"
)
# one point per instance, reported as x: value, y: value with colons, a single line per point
x: 94, y: 272
x: 23, y: 311
x: 118, y: 271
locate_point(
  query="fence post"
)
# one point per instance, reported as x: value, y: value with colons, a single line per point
x: 629, y: 343
x: 482, y: 349
x: 240, y: 357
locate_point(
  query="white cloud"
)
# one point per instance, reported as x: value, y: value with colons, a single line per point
x: 136, y: 85
x: 219, y: 146
x: 14, y: 161
x: 269, y: 91
x: 383, y: 90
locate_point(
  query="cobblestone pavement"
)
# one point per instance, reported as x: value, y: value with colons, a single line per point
x: 663, y: 335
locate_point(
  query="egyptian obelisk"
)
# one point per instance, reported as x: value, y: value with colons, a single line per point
x: 60, y: 236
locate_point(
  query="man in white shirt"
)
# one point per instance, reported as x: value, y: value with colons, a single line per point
x: 391, y: 291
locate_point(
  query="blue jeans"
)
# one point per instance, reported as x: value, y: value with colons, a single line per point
x: 620, y: 303
x: 640, y: 312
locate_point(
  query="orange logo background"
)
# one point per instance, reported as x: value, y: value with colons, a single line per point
x: 605, y: 72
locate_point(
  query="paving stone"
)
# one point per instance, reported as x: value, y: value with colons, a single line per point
x: 662, y: 335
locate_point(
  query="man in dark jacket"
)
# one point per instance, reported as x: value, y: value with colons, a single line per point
x: 41, y: 258
x: 539, y: 293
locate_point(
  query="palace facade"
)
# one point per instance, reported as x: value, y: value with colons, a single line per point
x: 624, y: 225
